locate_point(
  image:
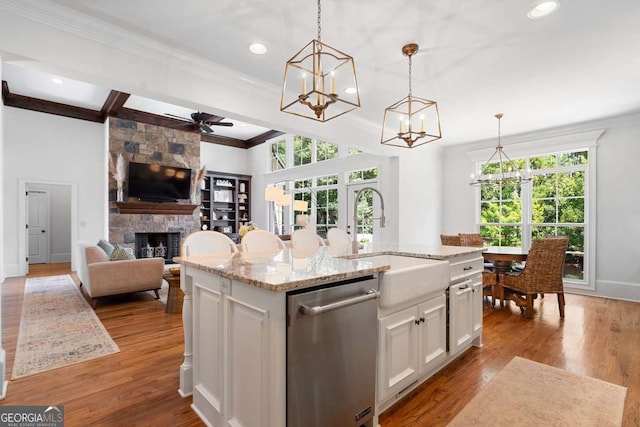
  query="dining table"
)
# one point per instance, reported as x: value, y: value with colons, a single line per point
x: 502, y: 258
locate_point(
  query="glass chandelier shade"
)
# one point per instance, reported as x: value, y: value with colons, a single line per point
x: 500, y: 169
x: 412, y: 121
x: 320, y: 82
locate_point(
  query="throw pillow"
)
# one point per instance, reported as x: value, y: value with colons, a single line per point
x: 120, y: 254
x: 106, y: 247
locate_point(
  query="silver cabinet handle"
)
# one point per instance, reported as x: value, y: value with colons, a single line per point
x: 319, y: 309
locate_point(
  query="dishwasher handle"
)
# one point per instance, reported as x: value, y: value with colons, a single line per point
x: 319, y: 309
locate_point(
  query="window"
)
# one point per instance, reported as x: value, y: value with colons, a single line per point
x: 554, y: 204
x: 326, y: 151
x: 279, y: 155
x: 326, y: 204
x: 362, y: 175
x: 301, y: 150
x: 558, y: 204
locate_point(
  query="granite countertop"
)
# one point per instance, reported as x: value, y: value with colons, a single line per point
x: 299, y: 268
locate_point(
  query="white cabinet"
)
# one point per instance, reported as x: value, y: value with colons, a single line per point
x: 465, y: 303
x: 238, y: 353
x: 432, y: 337
x: 460, y: 316
x: 476, y: 302
x: 411, y: 342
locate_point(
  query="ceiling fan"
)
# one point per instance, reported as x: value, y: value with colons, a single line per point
x: 202, y: 121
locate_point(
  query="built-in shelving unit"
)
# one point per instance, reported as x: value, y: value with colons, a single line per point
x: 226, y: 203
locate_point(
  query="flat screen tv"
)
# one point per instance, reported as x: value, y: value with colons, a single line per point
x: 153, y: 182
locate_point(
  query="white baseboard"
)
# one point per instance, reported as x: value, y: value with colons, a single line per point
x: 61, y: 257
x: 610, y: 289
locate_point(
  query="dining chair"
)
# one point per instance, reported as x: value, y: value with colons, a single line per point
x: 450, y: 240
x: 261, y: 240
x: 305, y: 238
x: 338, y: 237
x: 200, y: 242
x: 471, y: 239
x: 542, y: 274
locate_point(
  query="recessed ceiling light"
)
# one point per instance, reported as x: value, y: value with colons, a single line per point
x: 543, y: 8
x: 258, y: 48
x: 57, y: 80
x: 350, y: 90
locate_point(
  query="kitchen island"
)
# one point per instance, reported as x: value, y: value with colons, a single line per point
x: 235, y: 323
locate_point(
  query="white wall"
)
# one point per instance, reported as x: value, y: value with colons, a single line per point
x: 60, y: 217
x: 221, y: 158
x: 618, y: 199
x: 46, y: 148
x: 420, y: 194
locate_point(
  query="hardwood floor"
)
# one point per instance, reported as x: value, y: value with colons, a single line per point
x: 138, y: 386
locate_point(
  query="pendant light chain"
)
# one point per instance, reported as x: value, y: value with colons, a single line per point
x: 410, y: 56
x: 319, y: 26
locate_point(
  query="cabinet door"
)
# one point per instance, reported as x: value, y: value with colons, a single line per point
x: 398, y: 365
x: 208, y: 363
x: 460, y: 316
x: 432, y: 338
x: 248, y: 364
x: 477, y: 306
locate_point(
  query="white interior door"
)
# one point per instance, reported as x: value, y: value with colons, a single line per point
x: 38, y: 211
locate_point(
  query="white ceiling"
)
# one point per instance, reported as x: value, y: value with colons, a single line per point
x: 476, y: 57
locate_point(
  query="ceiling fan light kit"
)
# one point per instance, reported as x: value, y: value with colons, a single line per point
x: 316, y: 79
x: 412, y: 121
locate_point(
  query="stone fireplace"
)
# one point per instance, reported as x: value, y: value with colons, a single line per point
x: 145, y: 143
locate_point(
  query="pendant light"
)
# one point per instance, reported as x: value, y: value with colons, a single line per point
x: 320, y: 82
x: 499, y: 168
x: 412, y: 121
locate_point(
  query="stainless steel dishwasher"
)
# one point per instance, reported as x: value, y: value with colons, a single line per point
x: 331, y: 354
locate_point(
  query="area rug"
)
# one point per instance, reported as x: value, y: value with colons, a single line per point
x: 57, y: 328
x: 527, y: 393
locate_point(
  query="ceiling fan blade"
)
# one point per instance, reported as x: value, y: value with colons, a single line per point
x: 205, y: 128
x: 177, y: 117
x: 220, y: 124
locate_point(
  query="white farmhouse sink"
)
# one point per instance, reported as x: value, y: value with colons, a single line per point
x: 409, y: 278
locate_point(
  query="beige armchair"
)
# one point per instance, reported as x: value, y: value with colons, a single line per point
x: 101, y: 277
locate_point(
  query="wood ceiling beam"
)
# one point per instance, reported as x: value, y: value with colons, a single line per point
x: 49, y: 107
x: 115, y: 101
x: 259, y: 139
x: 114, y: 107
x: 153, y: 119
x: 230, y: 142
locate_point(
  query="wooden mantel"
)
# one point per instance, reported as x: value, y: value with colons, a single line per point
x: 155, y: 208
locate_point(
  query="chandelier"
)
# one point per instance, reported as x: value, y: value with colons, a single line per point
x: 331, y: 75
x: 499, y: 168
x: 404, y: 122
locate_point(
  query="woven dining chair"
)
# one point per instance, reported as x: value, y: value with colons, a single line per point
x: 472, y: 239
x: 450, y: 240
x: 542, y: 274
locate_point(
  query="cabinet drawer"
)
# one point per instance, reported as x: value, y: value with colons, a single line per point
x: 461, y: 269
